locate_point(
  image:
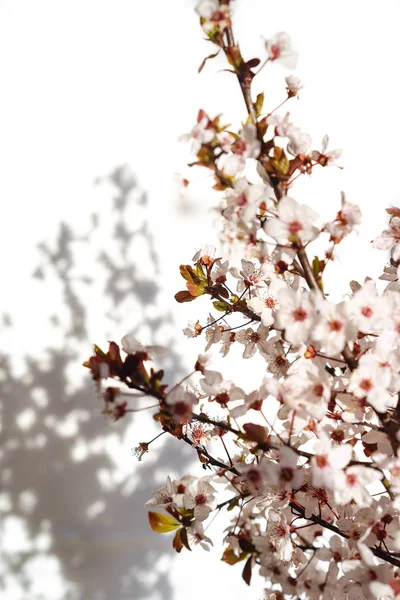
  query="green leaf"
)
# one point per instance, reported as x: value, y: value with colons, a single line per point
x: 187, y: 272
x: 161, y: 523
x: 259, y: 103
x: 200, y: 273
x: 195, y: 288
x: 230, y: 557
x: 221, y: 306
x: 233, y: 504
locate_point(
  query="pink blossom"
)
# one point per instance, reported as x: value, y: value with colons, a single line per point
x: 328, y: 462
x: 279, y: 47
x: 296, y: 315
x: 294, y: 223
x: 246, y: 146
x: 389, y: 239
x: 200, y: 497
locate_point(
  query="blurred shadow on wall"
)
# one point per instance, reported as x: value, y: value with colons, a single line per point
x: 73, y: 525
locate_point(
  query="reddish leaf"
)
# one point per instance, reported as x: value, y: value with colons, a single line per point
x: 177, y: 543
x: 184, y: 296
x: 393, y: 211
x: 247, y: 570
x: 255, y: 433
x: 201, y: 67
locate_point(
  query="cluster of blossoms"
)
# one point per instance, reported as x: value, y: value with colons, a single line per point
x: 308, y: 463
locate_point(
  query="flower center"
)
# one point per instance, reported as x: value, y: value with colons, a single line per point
x: 239, y: 147
x: 366, y: 385
x: 299, y: 314
x: 318, y: 390
x: 270, y: 303
x: 295, y: 227
x: 367, y: 312
x: 287, y: 474
x: 321, y: 460
x: 335, y: 325
x: 351, y: 478
x: 200, y: 499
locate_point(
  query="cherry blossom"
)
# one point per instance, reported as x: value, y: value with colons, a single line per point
x: 279, y: 47
x: 390, y: 238
x: 215, y: 15
x: 131, y: 345
x: 296, y: 315
x: 328, y: 463
x: 200, y: 497
x: 333, y: 328
x: 265, y: 301
x: 246, y: 146
x: 293, y: 84
x: 201, y: 133
x: 366, y: 308
x: 370, y: 380
x: 324, y: 158
x: 304, y: 453
x: 181, y: 403
x: 294, y: 223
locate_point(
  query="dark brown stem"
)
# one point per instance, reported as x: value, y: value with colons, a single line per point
x: 308, y: 272
x: 319, y: 521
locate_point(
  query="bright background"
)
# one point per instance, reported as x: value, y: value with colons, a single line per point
x: 90, y: 250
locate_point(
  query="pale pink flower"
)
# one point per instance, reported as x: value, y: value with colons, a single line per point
x: 200, y: 497
x: 254, y: 401
x: 279, y: 47
x: 296, y: 315
x: 213, y: 384
x: 255, y: 476
x: 324, y: 158
x: 278, y: 531
x: 252, y: 340
x: 354, y: 485
x: 246, y: 146
x: 265, y: 302
x: 281, y: 124
x: 285, y: 473
x: 333, y: 328
x: 131, y: 345
x: 164, y: 496
x: 244, y: 200
x: 294, y: 223
x: 293, y: 84
x: 299, y: 142
x: 216, y: 15
x: 345, y: 221
x: 366, y: 309
x: 197, y: 536
x: 192, y: 330
x: 181, y: 403
x: 371, y: 380
x: 200, y: 134
x: 328, y: 462
x: 205, y: 255
x: 312, y: 389
x: 219, y: 271
x: 390, y: 238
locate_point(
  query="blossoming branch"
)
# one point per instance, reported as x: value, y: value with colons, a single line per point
x: 308, y: 462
